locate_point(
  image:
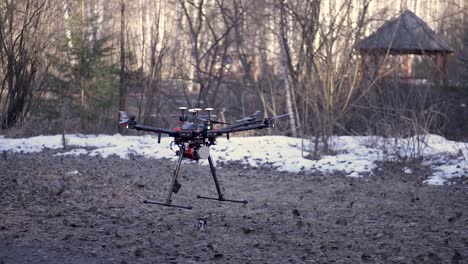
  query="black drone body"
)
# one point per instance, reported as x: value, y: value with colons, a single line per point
x: 194, y: 137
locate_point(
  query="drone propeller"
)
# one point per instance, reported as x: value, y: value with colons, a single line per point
x: 248, y: 118
x: 279, y: 116
x: 270, y: 120
x: 201, y: 118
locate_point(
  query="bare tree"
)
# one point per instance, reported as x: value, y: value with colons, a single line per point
x: 123, y: 90
x: 209, y: 46
x: 284, y: 58
x: 327, y: 71
x: 22, y: 30
x: 157, y: 54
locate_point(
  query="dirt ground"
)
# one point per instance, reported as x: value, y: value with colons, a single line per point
x: 89, y: 210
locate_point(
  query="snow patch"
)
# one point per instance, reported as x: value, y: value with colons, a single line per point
x: 355, y: 155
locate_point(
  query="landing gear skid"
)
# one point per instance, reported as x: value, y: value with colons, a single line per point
x: 222, y: 199
x: 175, y: 186
x: 168, y: 205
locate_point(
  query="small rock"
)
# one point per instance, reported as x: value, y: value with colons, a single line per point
x: 210, y: 246
x: 138, y: 252
x: 66, y: 194
x: 296, y: 212
x: 366, y: 257
x: 218, y: 255
x: 378, y: 235
x: 455, y: 217
x: 67, y: 236
x: 456, y: 258
x: 429, y: 258
x: 400, y: 259
x: 300, y: 223
x: 248, y: 230
x: 342, y: 221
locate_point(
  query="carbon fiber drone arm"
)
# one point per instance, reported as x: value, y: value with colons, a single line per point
x: 170, y: 132
x: 257, y: 124
x: 130, y: 123
x: 251, y: 124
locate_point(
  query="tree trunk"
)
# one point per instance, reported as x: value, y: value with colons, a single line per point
x: 84, y: 30
x: 100, y: 18
x: 9, y: 119
x: 284, y: 67
x: 123, y: 89
x: 193, y: 56
x: 68, y: 32
x: 142, y: 6
x: 154, y: 70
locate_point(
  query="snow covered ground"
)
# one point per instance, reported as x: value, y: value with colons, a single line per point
x: 356, y: 156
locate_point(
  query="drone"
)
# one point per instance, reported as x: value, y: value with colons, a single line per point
x: 193, y: 137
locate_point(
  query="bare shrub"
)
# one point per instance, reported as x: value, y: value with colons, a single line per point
x: 405, y: 114
x: 327, y: 74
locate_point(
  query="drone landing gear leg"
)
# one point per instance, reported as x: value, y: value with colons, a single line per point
x: 175, y: 186
x: 218, y: 189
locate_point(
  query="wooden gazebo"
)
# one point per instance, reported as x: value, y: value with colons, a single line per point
x: 405, y: 35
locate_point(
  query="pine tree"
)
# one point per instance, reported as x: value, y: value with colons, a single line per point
x: 86, y: 71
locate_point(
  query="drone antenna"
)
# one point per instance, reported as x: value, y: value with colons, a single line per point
x: 182, y: 118
x: 194, y: 112
x: 209, y: 109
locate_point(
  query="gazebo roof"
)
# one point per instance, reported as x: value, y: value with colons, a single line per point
x: 406, y: 34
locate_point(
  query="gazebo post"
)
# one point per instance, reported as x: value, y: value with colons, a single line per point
x: 362, y: 67
x: 438, y: 63
x: 376, y: 64
x: 445, y: 66
x: 409, y: 66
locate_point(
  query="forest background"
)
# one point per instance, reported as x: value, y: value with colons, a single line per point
x: 69, y: 66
